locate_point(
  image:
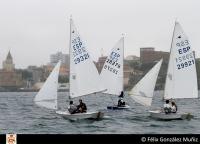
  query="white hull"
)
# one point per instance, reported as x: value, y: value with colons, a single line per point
x: 157, y: 114
x: 115, y: 107
x: 88, y: 115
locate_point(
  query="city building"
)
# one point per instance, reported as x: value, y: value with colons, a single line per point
x: 64, y: 70
x: 37, y: 74
x: 9, y: 78
x: 54, y: 58
x: 131, y: 74
x: 149, y: 55
x: 8, y: 64
x: 132, y: 58
x: 127, y: 73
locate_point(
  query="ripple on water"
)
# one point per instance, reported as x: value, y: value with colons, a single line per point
x: 19, y: 114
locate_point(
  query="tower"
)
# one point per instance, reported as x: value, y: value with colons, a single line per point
x: 8, y: 63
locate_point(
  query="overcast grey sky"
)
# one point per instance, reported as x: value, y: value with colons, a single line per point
x: 34, y: 29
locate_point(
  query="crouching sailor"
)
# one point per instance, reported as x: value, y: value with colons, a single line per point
x: 121, y: 102
x: 167, y: 107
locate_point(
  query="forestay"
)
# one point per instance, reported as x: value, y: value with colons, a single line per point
x: 84, y: 77
x: 181, y: 79
x: 112, y: 71
x: 47, y: 96
x: 142, y: 92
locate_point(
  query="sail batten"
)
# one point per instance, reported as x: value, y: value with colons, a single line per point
x: 112, y: 71
x: 47, y: 96
x: 181, y: 68
x: 143, y: 91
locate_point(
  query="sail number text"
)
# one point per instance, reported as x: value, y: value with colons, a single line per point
x: 112, y: 61
x: 81, y: 58
x: 185, y: 59
x: 182, y: 43
x: 185, y: 64
x: 79, y: 52
x: 109, y: 68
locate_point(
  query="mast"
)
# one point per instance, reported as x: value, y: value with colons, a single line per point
x: 70, y: 53
x: 123, y: 63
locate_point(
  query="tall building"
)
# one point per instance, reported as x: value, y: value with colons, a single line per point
x: 9, y: 78
x: 54, y: 58
x: 37, y: 73
x: 8, y: 63
x: 64, y: 70
x: 149, y: 55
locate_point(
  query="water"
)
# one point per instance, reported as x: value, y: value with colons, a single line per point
x: 18, y: 114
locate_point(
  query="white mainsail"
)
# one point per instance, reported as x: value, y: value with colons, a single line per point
x: 181, y: 79
x: 142, y: 92
x: 112, y: 71
x: 47, y: 96
x: 84, y: 77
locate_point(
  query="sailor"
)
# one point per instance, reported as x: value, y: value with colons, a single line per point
x: 173, y: 107
x: 81, y: 108
x: 72, y: 108
x: 167, y: 107
x: 121, y: 102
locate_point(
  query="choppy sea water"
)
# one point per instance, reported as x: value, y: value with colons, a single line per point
x: 19, y: 114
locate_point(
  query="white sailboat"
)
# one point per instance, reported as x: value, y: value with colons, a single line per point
x: 112, y: 72
x: 143, y: 91
x: 47, y: 96
x: 181, y: 79
x: 84, y: 77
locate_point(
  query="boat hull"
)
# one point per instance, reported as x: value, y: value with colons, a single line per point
x: 89, y: 115
x: 157, y: 114
x: 115, y: 107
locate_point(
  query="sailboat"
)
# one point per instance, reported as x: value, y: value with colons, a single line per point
x: 143, y: 91
x: 47, y: 96
x: 84, y: 77
x: 181, y: 79
x: 112, y: 72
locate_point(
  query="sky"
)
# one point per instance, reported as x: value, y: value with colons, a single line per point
x: 34, y: 29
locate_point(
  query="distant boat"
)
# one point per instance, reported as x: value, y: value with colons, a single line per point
x: 112, y: 72
x: 143, y: 91
x: 181, y: 79
x: 84, y: 77
x: 47, y: 96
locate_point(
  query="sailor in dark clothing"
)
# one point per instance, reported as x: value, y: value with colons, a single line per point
x: 121, y: 102
x: 81, y: 108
